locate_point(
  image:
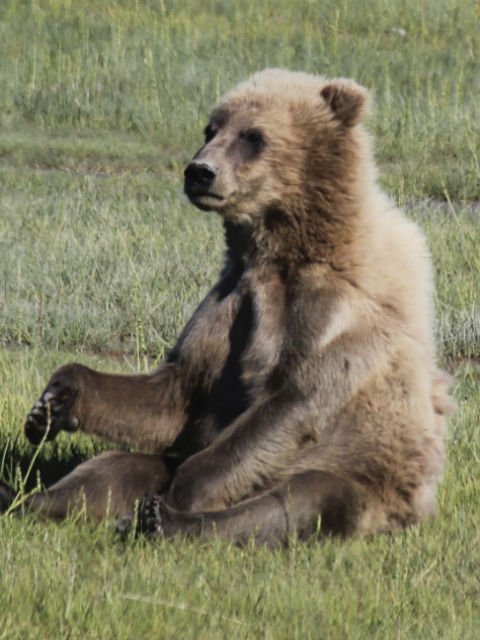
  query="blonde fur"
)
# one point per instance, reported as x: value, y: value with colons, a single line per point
x: 306, y: 383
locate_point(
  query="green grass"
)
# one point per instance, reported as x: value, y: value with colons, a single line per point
x: 102, y: 261
x: 453, y: 232
x: 154, y: 68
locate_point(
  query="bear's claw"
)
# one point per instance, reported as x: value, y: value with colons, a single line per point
x: 150, y: 516
x: 148, y: 520
x: 51, y: 413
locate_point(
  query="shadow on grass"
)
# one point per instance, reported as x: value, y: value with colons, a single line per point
x: 53, y: 461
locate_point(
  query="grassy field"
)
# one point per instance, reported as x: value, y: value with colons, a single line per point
x: 102, y: 261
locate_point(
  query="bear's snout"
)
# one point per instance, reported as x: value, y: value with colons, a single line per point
x: 199, y: 177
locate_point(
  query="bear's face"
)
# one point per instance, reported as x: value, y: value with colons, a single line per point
x: 269, y: 141
x: 235, y: 172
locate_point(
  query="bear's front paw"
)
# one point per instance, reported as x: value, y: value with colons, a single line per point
x: 157, y: 518
x: 53, y: 412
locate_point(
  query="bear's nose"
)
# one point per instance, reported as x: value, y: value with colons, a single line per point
x: 199, y: 176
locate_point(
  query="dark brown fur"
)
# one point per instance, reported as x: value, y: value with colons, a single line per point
x: 305, y: 384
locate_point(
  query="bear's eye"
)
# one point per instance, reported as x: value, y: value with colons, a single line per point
x: 252, y: 142
x: 209, y: 133
x: 253, y: 137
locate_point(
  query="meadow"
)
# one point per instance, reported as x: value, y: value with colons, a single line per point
x: 102, y: 260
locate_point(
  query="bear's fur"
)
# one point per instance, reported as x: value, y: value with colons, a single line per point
x: 305, y: 385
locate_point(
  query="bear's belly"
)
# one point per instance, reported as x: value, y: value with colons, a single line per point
x: 241, y: 337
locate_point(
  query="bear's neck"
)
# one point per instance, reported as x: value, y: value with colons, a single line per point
x: 239, y: 241
x: 286, y: 241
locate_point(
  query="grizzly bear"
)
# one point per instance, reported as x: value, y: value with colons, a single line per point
x: 303, y: 397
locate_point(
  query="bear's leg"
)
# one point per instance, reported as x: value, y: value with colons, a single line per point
x: 145, y: 411
x: 105, y: 486
x: 309, y: 503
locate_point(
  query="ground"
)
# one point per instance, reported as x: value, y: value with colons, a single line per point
x: 100, y: 110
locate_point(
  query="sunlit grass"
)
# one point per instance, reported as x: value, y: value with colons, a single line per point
x: 155, y: 68
x: 102, y: 261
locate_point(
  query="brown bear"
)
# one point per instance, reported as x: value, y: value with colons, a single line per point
x: 303, y: 397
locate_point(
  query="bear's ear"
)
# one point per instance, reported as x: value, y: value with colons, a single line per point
x: 347, y: 100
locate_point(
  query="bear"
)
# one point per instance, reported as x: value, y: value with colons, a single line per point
x: 303, y: 398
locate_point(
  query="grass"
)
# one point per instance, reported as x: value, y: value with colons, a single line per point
x: 102, y: 261
x: 112, y: 258
x: 155, y: 68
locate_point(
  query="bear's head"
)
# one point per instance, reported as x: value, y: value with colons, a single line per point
x: 281, y: 148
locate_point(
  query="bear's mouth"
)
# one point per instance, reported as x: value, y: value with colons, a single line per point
x: 204, y: 200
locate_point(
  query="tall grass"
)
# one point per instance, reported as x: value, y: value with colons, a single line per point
x: 155, y: 68
x: 86, y: 260
x: 119, y: 262
x: 102, y: 261
x: 453, y: 232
